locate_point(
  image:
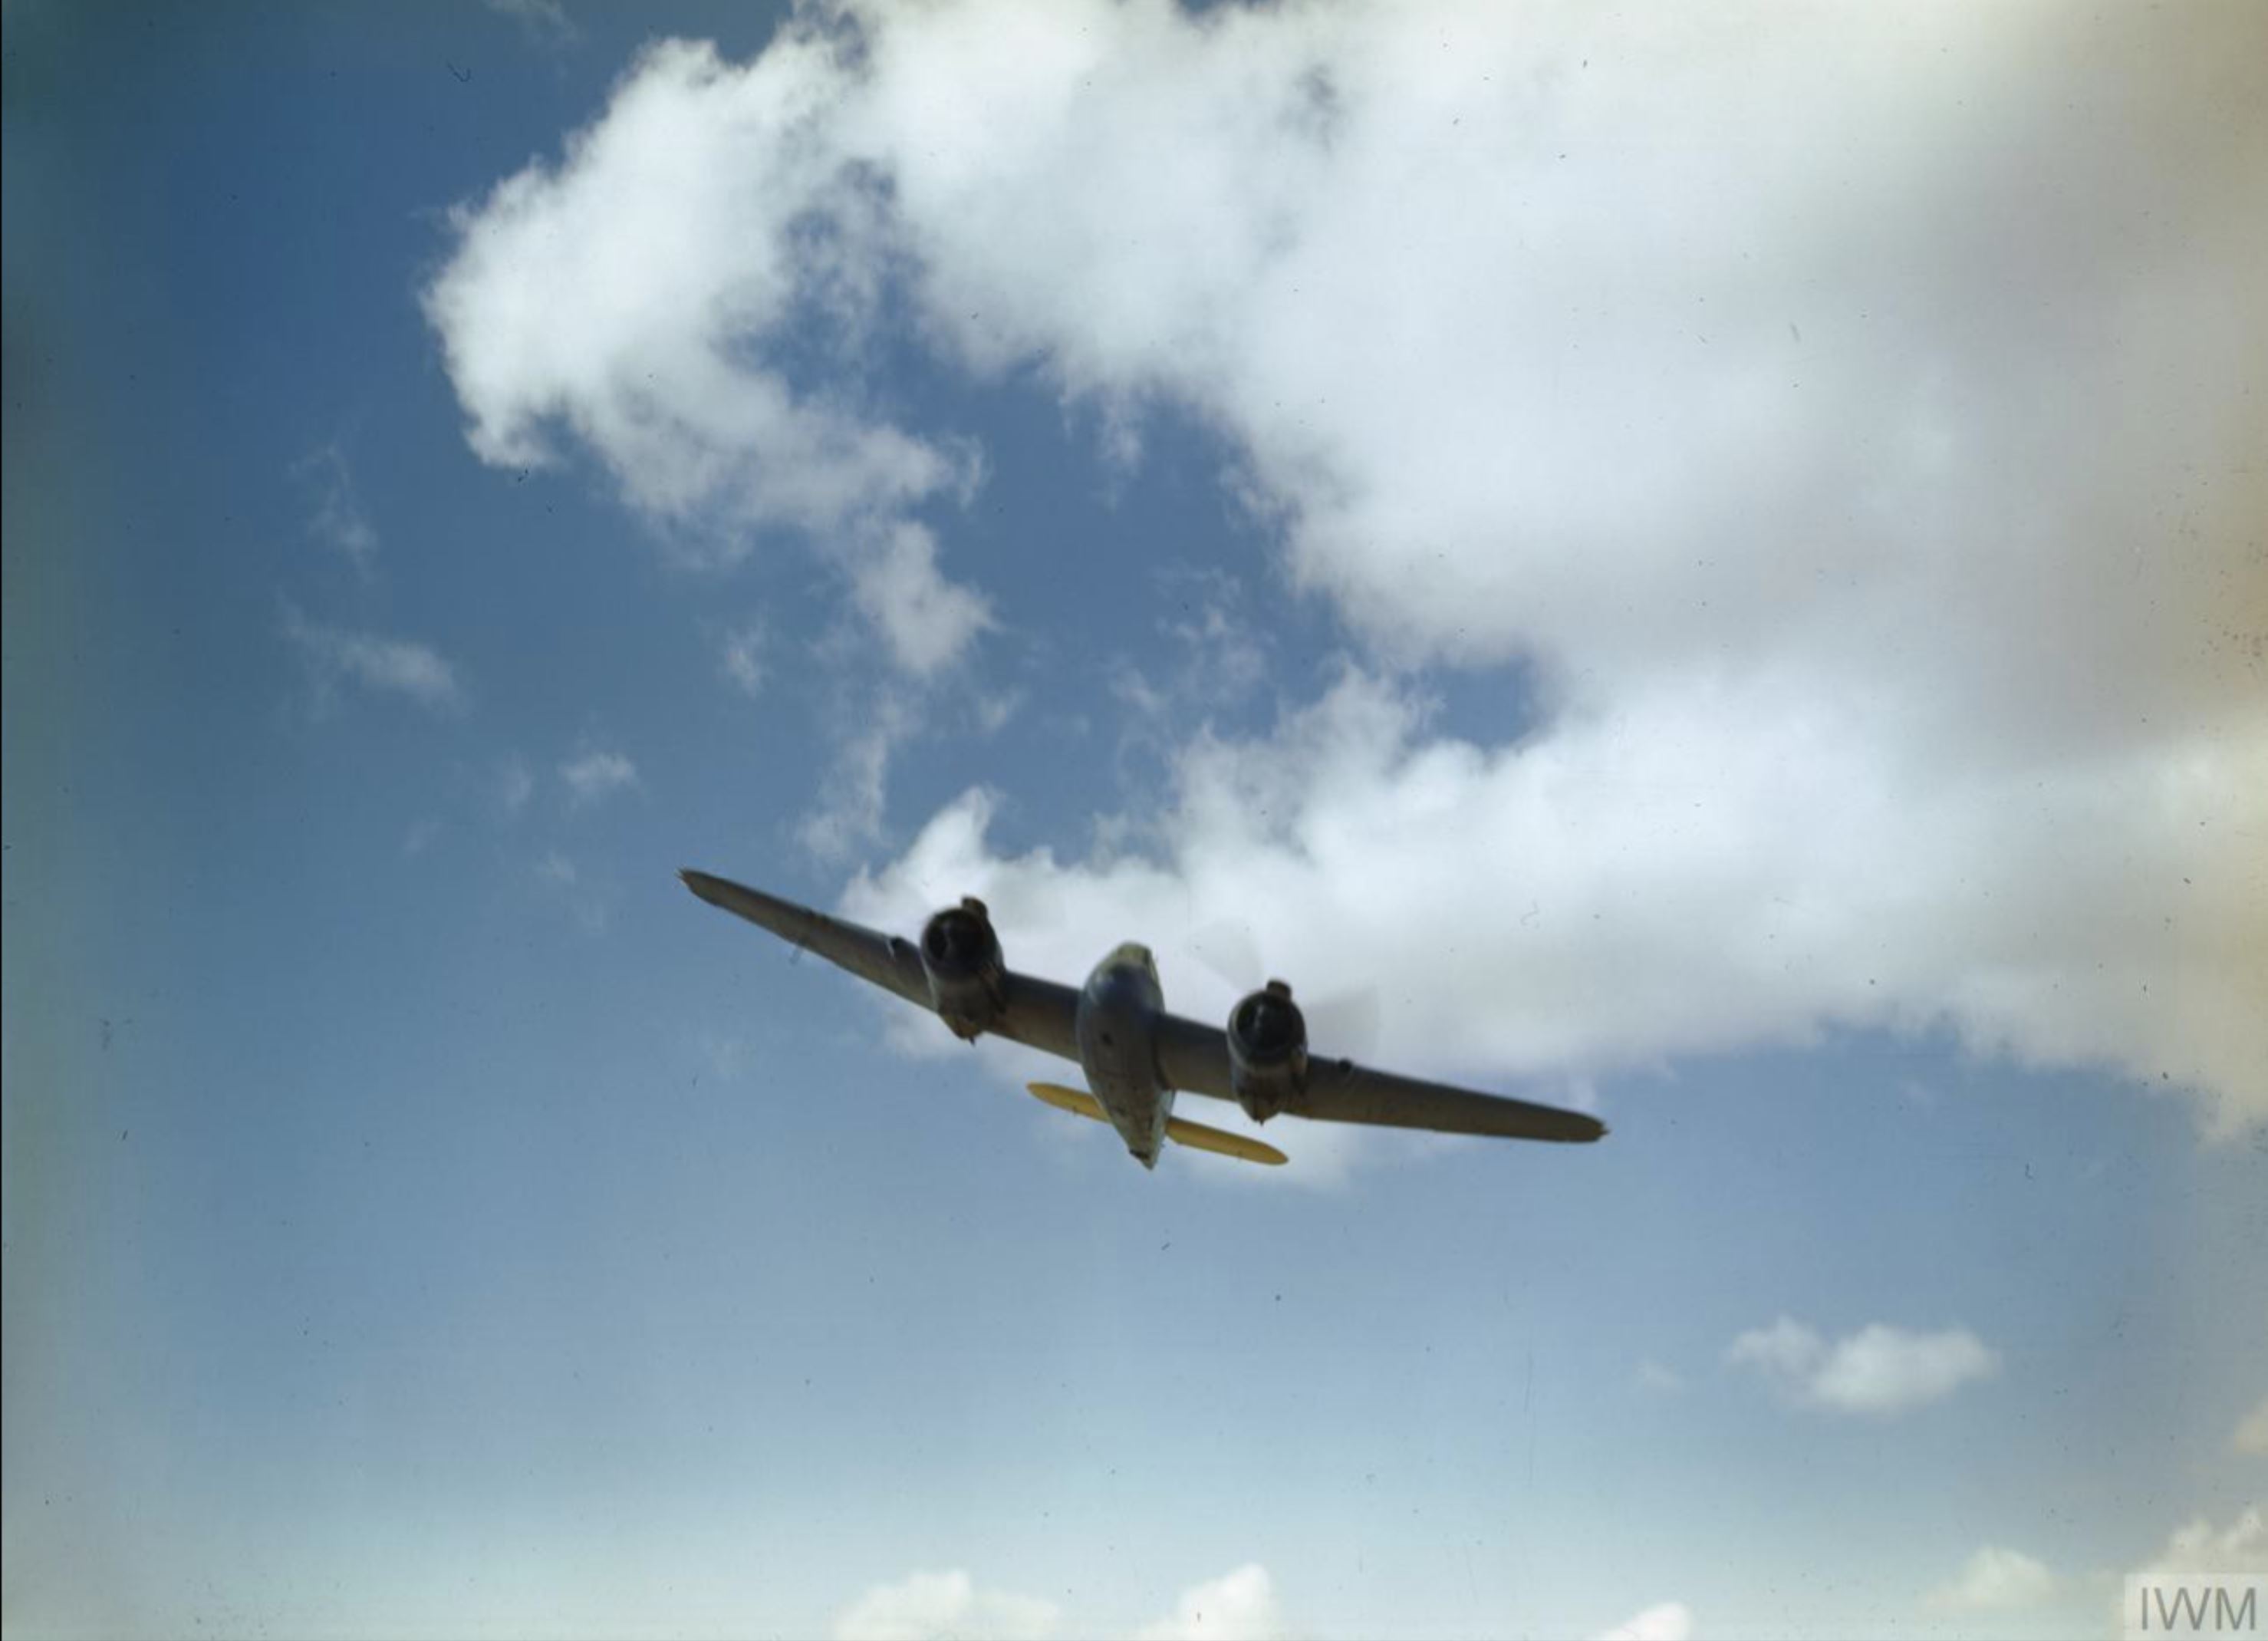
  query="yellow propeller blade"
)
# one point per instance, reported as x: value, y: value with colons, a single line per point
x: 1195, y: 1136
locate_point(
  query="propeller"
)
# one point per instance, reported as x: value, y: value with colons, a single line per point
x: 1341, y: 1023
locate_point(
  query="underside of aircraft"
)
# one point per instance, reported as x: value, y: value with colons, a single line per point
x: 1136, y: 1056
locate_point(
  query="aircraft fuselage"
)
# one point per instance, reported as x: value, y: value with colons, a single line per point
x: 1118, y: 1010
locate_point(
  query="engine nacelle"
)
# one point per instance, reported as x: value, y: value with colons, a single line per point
x: 1267, y: 1051
x: 967, y: 983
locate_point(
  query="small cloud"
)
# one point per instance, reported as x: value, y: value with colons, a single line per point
x: 545, y: 21
x: 1995, y: 1580
x: 849, y: 814
x: 335, y: 656
x: 1655, y: 1378
x: 1670, y: 1620
x: 596, y: 775
x: 727, y: 1058
x: 1224, y: 655
x: 515, y: 784
x: 1878, y: 1369
x: 564, y: 880
x: 339, y: 521
x: 2251, y: 1436
x: 933, y: 1606
x: 927, y: 621
x: 420, y: 836
x: 993, y: 711
x: 1239, y: 1605
x: 742, y: 658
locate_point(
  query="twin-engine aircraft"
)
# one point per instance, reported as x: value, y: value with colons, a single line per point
x: 1134, y: 1054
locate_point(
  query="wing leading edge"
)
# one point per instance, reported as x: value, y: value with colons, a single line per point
x: 1040, y: 1013
x: 1194, y: 1059
x: 879, y: 959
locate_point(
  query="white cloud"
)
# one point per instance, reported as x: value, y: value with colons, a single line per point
x: 1995, y: 1579
x: 1239, y: 1605
x: 727, y: 1058
x: 334, y: 657
x: 934, y: 1606
x: 646, y: 296
x: 2199, y: 1547
x: 1658, y: 1380
x: 544, y: 20
x: 992, y: 711
x: 1670, y: 1620
x: 592, y: 904
x: 515, y: 784
x: 339, y: 521
x: 1850, y: 423
x: 2251, y: 1433
x: 741, y: 657
x: 1878, y: 1369
x: 848, y: 816
x: 597, y: 773
x: 926, y: 621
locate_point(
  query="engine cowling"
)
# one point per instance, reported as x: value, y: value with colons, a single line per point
x: 1267, y: 1051
x: 968, y: 982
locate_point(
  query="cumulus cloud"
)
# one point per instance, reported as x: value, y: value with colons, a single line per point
x: 1879, y: 1369
x: 1848, y: 424
x: 1671, y: 1621
x: 934, y: 1606
x: 1995, y: 1579
x: 2251, y: 1433
x: 2198, y: 1546
x: 1239, y: 1605
x: 595, y: 774
x: 335, y: 657
x: 651, y: 297
x: 1671, y: 879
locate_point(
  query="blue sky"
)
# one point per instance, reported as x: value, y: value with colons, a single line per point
x: 1712, y: 573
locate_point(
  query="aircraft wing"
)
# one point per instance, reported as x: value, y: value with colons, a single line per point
x: 1041, y: 1013
x: 1194, y: 1057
